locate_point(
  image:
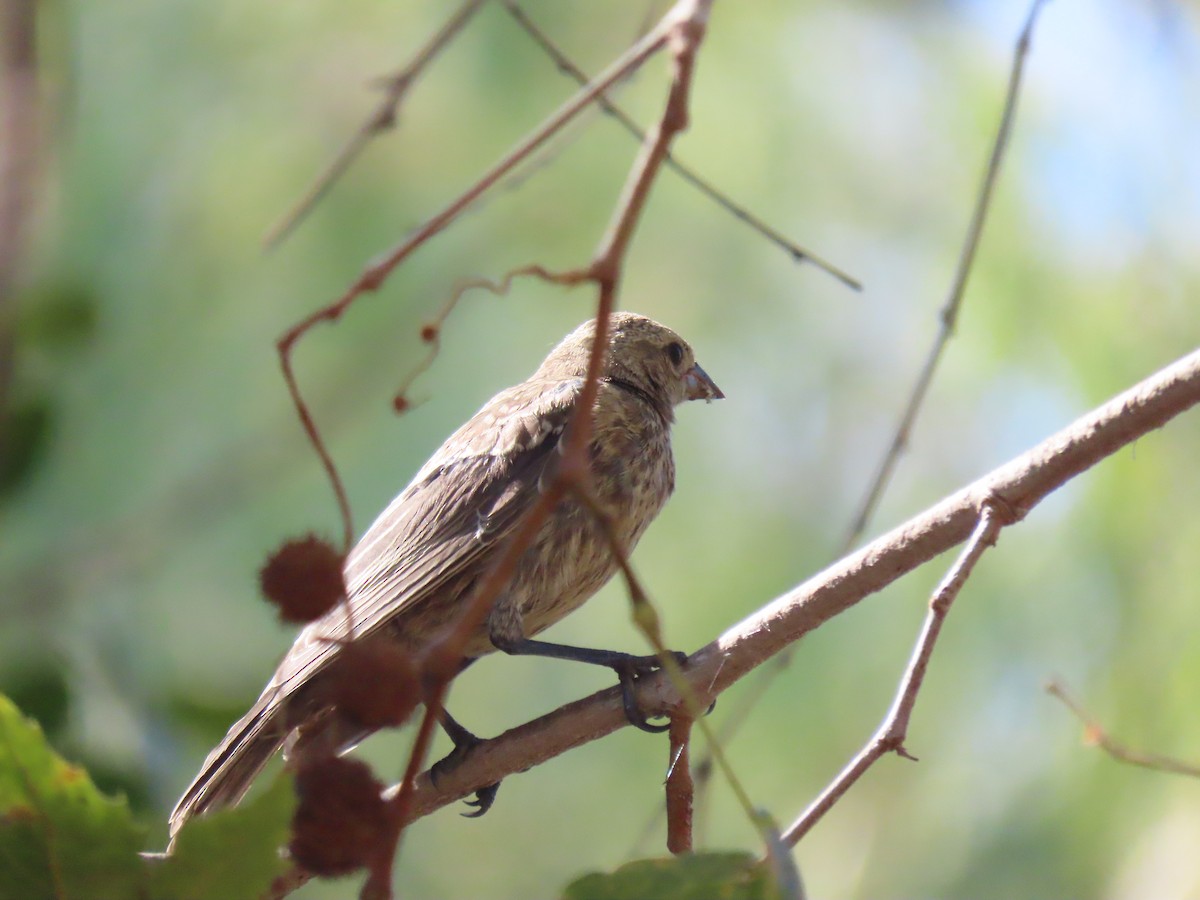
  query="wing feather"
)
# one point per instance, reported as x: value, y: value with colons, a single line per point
x: 442, y: 527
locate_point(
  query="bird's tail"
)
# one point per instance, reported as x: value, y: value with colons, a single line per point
x: 234, y: 763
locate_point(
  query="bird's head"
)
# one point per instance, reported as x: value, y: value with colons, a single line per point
x: 643, y: 355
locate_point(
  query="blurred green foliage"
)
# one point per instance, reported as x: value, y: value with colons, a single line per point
x: 154, y: 456
x: 62, y: 839
x: 711, y: 876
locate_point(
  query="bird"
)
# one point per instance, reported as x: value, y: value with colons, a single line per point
x: 409, y: 576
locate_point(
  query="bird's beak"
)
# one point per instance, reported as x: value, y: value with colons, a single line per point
x: 700, y: 386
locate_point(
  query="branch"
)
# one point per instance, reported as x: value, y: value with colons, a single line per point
x: 680, y: 789
x: 950, y: 310
x: 382, y: 119
x: 891, y: 734
x: 1095, y: 735
x: 680, y: 31
x: 626, y: 121
x: 1020, y: 485
x: 948, y: 318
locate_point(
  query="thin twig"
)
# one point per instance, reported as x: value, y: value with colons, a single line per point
x: 947, y: 317
x: 431, y: 330
x: 685, y: 18
x: 891, y: 734
x: 950, y: 310
x: 679, y: 788
x: 781, y: 863
x: 565, y: 65
x: 1095, y: 735
x: 382, y: 119
x: 1020, y: 484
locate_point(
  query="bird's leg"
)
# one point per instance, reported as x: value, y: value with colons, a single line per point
x: 629, y: 668
x: 464, y: 742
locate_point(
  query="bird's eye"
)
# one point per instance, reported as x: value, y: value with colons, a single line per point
x: 675, y: 352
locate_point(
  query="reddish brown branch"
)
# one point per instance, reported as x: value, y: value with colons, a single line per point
x: 679, y: 787
x: 1017, y: 486
x: 1095, y: 735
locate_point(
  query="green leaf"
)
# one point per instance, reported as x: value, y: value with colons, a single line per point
x: 229, y: 855
x: 60, y: 838
x: 694, y: 876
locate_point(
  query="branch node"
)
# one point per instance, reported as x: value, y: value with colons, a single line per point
x: 1002, y: 511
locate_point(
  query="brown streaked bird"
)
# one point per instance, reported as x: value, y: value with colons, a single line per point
x: 410, y: 575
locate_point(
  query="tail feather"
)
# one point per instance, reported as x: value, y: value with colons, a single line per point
x: 233, y: 764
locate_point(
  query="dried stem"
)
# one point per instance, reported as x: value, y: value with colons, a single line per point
x: 565, y: 64
x: 892, y: 732
x: 443, y: 656
x: 679, y: 787
x: 432, y: 329
x: 1095, y: 735
x: 382, y: 119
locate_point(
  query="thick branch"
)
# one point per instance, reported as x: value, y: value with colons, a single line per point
x: 1021, y: 484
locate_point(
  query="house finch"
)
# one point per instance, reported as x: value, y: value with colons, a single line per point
x: 411, y: 574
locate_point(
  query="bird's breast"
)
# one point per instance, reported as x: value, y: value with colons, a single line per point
x: 633, y: 475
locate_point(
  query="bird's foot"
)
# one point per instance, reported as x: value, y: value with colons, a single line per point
x: 464, y: 743
x: 629, y: 671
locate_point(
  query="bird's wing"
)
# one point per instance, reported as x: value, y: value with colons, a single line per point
x: 463, y: 502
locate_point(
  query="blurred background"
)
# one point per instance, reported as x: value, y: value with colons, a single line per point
x: 153, y: 457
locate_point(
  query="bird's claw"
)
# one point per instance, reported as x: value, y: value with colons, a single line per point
x: 484, y: 798
x: 628, y: 675
x: 633, y: 712
x: 464, y: 743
